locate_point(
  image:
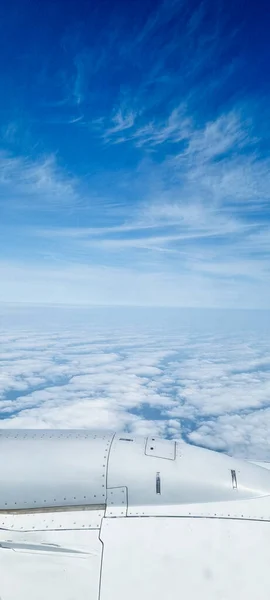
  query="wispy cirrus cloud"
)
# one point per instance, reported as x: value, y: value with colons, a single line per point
x: 197, y: 206
x: 35, y: 184
x: 133, y: 127
x: 145, y: 152
x: 190, y: 219
x: 121, y: 121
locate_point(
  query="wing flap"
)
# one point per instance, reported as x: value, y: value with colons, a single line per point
x: 157, y: 558
x: 50, y: 564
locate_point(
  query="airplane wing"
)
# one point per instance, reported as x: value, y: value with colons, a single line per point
x: 261, y: 463
x: 111, y: 517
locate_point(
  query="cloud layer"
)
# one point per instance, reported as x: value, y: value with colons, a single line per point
x: 200, y: 376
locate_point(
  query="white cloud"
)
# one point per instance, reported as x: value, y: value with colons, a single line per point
x: 201, y: 375
x: 36, y: 185
x: 175, y: 129
x: 122, y: 120
x: 175, y: 210
x: 79, y: 381
x: 217, y: 137
x: 243, y: 435
x: 176, y: 245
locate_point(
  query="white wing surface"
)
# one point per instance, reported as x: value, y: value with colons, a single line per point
x: 104, y: 517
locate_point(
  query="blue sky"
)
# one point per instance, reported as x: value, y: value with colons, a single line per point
x: 135, y: 153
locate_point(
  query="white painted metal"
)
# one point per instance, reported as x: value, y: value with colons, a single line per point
x: 116, y: 502
x: 261, y: 463
x: 160, y: 448
x: 61, y: 490
x: 195, y: 475
x: 52, y: 468
x: 253, y: 508
x: 50, y: 566
x: 55, y: 520
x: 193, y: 559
